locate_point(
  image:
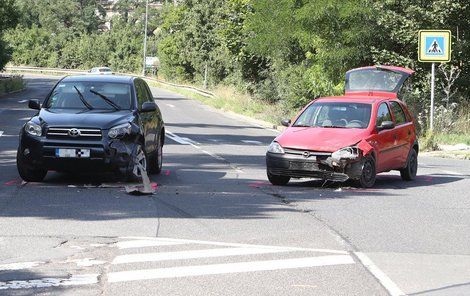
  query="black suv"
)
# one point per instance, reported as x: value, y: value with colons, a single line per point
x: 92, y: 123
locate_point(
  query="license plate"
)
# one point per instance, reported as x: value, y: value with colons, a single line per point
x: 304, y: 166
x: 72, y: 153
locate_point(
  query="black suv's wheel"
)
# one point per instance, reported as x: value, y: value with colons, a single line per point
x: 137, y: 164
x: 408, y: 173
x: 368, y: 175
x: 26, y: 172
x: 156, y: 159
x: 278, y: 180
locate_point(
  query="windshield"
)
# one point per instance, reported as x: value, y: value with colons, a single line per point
x: 374, y: 80
x: 335, y: 115
x: 66, y: 95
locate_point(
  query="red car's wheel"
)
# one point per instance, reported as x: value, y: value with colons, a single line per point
x: 409, y: 172
x: 368, y: 175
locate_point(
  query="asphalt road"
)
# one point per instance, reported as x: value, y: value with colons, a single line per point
x: 216, y: 226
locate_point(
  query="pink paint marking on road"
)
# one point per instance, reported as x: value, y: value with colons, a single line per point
x: 154, y: 185
x: 12, y: 182
x: 167, y: 173
x: 258, y: 184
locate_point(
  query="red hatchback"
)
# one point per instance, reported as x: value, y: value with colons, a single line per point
x: 355, y: 136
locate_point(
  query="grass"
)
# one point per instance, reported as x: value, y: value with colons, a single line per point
x: 452, y: 138
x: 11, y: 83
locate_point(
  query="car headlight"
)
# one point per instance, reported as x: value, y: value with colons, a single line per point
x: 119, y: 131
x: 347, y: 153
x: 275, y: 148
x: 33, y: 129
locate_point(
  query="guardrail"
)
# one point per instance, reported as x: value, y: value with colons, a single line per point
x: 27, y: 69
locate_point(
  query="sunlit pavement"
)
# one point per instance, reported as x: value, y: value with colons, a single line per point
x: 217, y: 227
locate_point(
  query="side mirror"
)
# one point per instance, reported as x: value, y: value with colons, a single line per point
x: 148, y: 107
x: 285, y: 122
x: 34, y: 104
x: 386, y: 125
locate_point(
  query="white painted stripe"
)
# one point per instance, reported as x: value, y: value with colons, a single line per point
x: 1, y: 133
x: 252, y: 142
x: 198, y: 270
x: 22, y: 101
x: 235, y: 245
x: 176, y: 138
x: 171, y: 105
x: 74, y: 280
x: 386, y: 282
x: 144, y: 243
x: 20, y: 265
x: 453, y: 173
x: 193, y: 254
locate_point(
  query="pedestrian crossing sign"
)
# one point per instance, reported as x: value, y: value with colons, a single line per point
x: 434, y: 46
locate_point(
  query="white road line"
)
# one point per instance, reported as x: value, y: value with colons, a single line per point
x: 20, y: 265
x: 73, y: 280
x: 171, y: 105
x: 252, y: 142
x: 193, y: 254
x: 386, y: 282
x: 198, y: 270
x: 235, y: 245
x: 453, y: 173
x: 144, y: 243
x: 22, y: 101
x: 176, y: 138
x: 1, y: 133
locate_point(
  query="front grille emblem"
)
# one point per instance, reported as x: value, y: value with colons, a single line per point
x: 73, y: 132
x: 306, y: 154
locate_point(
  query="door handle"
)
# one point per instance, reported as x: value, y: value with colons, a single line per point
x: 409, y: 133
x: 395, y: 136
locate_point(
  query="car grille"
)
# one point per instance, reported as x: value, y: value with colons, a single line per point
x: 73, y: 133
x: 301, y: 152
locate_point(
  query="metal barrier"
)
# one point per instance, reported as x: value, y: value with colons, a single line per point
x: 52, y: 71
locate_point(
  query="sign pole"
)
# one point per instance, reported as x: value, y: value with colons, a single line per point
x: 431, y: 119
x: 145, y: 36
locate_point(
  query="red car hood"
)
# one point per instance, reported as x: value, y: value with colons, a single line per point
x: 320, y: 139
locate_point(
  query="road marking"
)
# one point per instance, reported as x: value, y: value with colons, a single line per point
x: 193, y: 254
x: 144, y: 243
x: 73, y: 280
x: 1, y: 133
x: 386, y: 282
x: 22, y: 101
x: 176, y: 138
x: 199, y: 270
x: 252, y: 142
x: 453, y: 173
x: 20, y: 265
x: 171, y: 105
x: 235, y: 245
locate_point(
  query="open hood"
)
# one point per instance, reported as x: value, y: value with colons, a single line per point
x: 383, y: 81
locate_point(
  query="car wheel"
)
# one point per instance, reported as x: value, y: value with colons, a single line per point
x: 27, y: 173
x: 368, y: 174
x: 138, y: 163
x: 278, y: 180
x: 156, y: 160
x: 408, y: 173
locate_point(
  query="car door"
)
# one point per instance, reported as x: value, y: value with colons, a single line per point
x: 403, y: 131
x: 154, y: 118
x: 384, y: 139
x: 145, y: 120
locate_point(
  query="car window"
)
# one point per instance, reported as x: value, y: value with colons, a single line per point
x: 398, y: 113
x: 141, y: 92
x: 66, y: 96
x: 335, y: 115
x: 149, y: 93
x: 383, y: 114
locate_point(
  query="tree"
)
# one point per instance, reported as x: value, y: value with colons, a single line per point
x: 8, y: 19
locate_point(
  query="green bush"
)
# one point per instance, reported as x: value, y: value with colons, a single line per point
x: 11, y: 83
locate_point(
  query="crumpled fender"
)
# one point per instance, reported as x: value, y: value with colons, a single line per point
x: 365, y: 147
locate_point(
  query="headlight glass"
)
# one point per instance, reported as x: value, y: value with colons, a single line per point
x: 275, y: 148
x: 33, y: 129
x: 119, y: 131
x: 347, y: 153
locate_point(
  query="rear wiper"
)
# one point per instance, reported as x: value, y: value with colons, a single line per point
x: 83, y: 99
x: 105, y: 98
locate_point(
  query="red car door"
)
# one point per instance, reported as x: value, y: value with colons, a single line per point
x: 384, y: 139
x: 403, y: 131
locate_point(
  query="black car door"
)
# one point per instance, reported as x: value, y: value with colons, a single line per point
x: 154, y: 118
x: 145, y: 118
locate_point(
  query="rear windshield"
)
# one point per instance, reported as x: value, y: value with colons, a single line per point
x: 374, y: 80
x: 335, y: 115
x: 66, y: 95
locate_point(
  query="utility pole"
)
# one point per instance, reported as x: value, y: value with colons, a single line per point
x: 145, y: 37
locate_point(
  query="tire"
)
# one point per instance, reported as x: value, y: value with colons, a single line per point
x: 27, y: 173
x: 156, y: 159
x: 278, y: 180
x: 409, y: 172
x: 368, y: 174
x: 139, y: 157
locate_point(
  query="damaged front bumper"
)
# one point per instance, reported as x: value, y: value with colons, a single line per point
x: 104, y: 154
x: 307, y: 164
